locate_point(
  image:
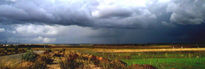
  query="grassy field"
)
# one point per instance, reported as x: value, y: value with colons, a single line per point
x: 161, y: 60
x: 159, y: 57
x: 170, y: 63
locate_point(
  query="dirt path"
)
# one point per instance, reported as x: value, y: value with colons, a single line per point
x: 14, y: 59
x: 11, y: 60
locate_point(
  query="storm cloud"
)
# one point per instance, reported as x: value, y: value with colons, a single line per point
x: 102, y: 13
x: 102, y: 21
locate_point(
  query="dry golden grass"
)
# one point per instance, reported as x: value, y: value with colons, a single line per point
x: 149, y: 50
x: 134, y: 50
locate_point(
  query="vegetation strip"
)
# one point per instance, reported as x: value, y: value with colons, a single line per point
x: 150, y: 50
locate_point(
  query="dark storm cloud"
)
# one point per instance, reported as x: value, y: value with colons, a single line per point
x: 102, y: 13
x: 102, y: 21
x: 187, y: 11
x: 163, y: 34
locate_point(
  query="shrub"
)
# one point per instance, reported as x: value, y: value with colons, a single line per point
x: 70, y: 62
x: 48, y: 50
x: 47, y: 59
x: 29, y: 56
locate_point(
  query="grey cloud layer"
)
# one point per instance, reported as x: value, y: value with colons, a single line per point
x: 31, y: 33
x: 103, y: 13
x: 188, y: 11
x: 102, y: 21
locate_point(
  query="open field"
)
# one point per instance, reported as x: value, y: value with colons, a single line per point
x: 146, y: 50
x: 96, y: 57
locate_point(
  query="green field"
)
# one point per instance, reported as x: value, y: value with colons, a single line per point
x: 169, y: 63
x: 162, y: 60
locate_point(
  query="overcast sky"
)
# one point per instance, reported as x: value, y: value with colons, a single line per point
x: 102, y: 21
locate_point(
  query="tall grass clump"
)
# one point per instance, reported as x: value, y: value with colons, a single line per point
x: 47, y: 59
x: 29, y: 56
x: 69, y: 63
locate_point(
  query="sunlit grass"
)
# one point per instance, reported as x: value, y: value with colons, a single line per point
x: 167, y: 63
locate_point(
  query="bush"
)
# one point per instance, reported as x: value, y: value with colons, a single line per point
x: 47, y: 59
x: 48, y: 50
x: 29, y: 56
x: 70, y: 62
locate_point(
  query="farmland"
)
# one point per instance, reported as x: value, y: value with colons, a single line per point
x: 102, y: 57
